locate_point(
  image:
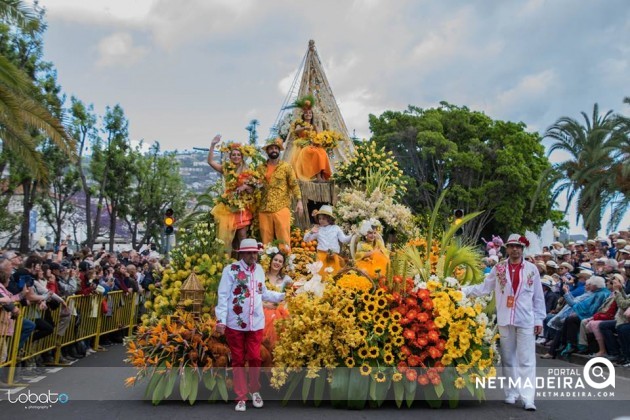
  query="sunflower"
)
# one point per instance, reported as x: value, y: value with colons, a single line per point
x: 395, y: 329
x: 396, y: 316
x: 379, y: 329
x: 365, y: 369
x: 398, y: 341
x: 373, y: 352
x: 349, y: 310
x: 379, y: 377
x: 460, y: 383
x: 397, y: 377
x: 350, y: 362
x: 379, y: 293
x: 386, y: 314
x: 388, y: 358
x: 365, y: 317
x: 381, y: 302
x: 363, y: 333
x: 387, y: 348
x: 378, y: 318
x: 364, y: 352
x: 371, y: 307
x: 367, y: 298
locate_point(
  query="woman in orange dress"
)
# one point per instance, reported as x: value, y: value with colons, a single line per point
x: 310, y: 162
x: 276, y: 281
x: 232, y: 222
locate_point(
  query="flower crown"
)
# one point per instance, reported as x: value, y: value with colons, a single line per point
x: 245, y: 149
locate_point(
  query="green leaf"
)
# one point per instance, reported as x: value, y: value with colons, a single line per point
x: 214, y: 394
x: 295, y: 380
x: 439, y: 389
x: 320, y: 384
x: 431, y: 397
x: 158, y: 392
x: 306, y: 387
x: 358, y: 387
x: 184, y: 384
x: 172, y: 378
x: 194, y: 388
x: 399, y: 392
x: 410, y: 391
x: 381, y: 391
x: 222, y: 388
x: 209, y: 380
x: 155, y: 377
x: 339, y: 387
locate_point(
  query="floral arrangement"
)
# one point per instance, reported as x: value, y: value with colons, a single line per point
x: 234, y: 197
x: 356, y: 205
x: 303, y: 254
x: 178, y: 346
x: 245, y: 149
x: 285, y: 126
x: 308, y: 131
x: 198, y: 251
x: 326, y: 139
x: 367, y: 159
x: 354, y: 281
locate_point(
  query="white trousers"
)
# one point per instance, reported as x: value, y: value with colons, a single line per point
x: 518, y: 357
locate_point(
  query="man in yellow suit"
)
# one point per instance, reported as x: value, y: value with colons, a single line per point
x: 281, y: 185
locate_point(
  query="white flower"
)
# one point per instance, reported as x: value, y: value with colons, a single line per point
x: 272, y: 250
x: 328, y: 270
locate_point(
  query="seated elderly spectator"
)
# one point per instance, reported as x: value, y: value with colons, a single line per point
x: 580, y: 310
x: 591, y: 325
x: 618, y: 348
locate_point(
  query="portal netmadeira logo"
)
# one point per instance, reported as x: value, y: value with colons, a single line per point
x: 595, y: 380
x: 36, y: 400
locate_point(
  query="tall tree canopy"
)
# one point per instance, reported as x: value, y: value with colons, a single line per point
x: 486, y: 165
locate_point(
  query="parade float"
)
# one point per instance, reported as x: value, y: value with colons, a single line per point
x: 407, y: 335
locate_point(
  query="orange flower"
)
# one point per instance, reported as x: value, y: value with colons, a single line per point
x: 411, y: 375
x: 130, y: 381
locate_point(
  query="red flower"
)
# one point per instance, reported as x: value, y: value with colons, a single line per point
x: 423, y: 380
x: 423, y: 317
x: 241, y: 275
x: 411, y: 375
x: 409, y: 334
x: 424, y: 294
x: 259, y: 287
x: 235, y: 301
x: 433, y: 335
x: 238, y: 309
x: 436, y: 380
x: 427, y: 304
x: 234, y: 267
x: 435, y: 353
x: 402, y: 367
x: 422, y: 341
x: 238, y: 291
x: 243, y: 324
x: 413, y: 360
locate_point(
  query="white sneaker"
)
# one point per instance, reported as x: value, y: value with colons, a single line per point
x: 241, y: 406
x: 510, y: 400
x: 529, y: 406
x: 541, y: 340
x: 257, y: 400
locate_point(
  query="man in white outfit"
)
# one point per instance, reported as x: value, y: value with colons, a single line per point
x: 520, y: 306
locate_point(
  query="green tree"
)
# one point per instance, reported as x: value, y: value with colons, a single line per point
x: 585, y: 175
x: 157, y: 186
x: 23, y: 111
x: 82, y: 127
x: 485, y: 165
x: 111, y: 167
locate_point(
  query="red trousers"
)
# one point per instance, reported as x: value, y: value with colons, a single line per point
x: 245, y: 347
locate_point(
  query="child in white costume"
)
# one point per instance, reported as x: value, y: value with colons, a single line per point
x: 328, y: 236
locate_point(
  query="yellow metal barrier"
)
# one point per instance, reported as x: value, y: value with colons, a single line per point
x: 84, y: 318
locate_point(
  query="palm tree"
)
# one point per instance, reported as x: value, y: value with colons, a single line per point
x: 21, y: 111
x: 585, y: 175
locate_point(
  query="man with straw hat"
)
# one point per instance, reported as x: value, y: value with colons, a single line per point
x: 281, y: 184
x: 521, y: 310
x: 240, y: 317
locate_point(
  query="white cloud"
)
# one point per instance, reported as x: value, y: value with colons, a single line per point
x: 118, y: 49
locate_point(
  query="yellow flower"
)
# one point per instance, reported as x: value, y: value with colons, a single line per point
x: 388, y: 358
x: 381, y: 303
x: 380, y: 377
x: 364, y: 352
x: 460, y: 383
x: 365, y: 317
x: 348, y: 310
x: 398, y: 341
x: 395, y: 329
x: 371, y: 307
x: 379, y: 329
x: 462, y: 368
x: 385, y: 315
x: 397, y: 377
x: 492, y: 372
x: 447, y: 360
x: 365, y: 369
x: 440, y: 322
x: 396, y: 316
x: 363, y: 333
x: 350, y: 362
x: 373, y: 352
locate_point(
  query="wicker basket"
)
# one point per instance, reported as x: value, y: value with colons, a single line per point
x: 352, y: 269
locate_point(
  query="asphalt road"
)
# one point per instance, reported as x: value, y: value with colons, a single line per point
x: 94, y: 389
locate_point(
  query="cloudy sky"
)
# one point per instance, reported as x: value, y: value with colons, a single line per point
x: 186, y: 70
